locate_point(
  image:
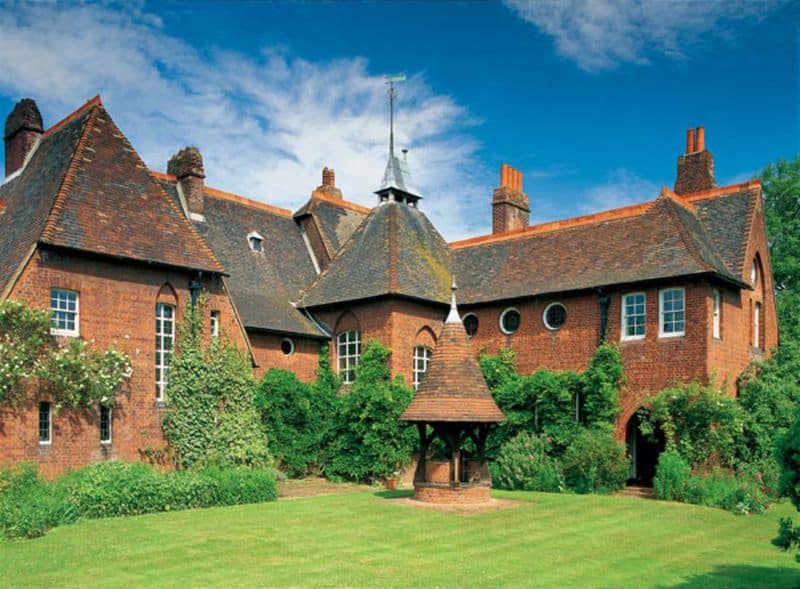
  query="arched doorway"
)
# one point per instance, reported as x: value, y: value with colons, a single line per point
x: 643, y: 450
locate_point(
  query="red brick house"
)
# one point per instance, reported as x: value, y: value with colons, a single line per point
x: 682, y: 283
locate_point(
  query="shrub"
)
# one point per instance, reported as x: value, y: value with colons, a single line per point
x: 595, y: 463
x: 369, y: 442
x: 672, y: 476
x: 524, y: 464
x: 726, y: 491
x: 603, y: 379
x: 29, y: 506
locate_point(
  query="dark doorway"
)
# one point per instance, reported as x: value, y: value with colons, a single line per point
x: 643, y: 450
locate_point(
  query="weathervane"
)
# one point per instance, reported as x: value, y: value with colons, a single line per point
x: 390, y: 81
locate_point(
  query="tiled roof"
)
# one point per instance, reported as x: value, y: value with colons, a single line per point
x: 262, y: 284
x: 656, y: 240
x: 109, y: 204
x: 28, y: 198
x: 396, y: 250
x: 398, y: 176
x: 336, y: 219
x: 453, y: 389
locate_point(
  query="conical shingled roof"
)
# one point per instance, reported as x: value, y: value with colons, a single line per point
x: 453, y: 389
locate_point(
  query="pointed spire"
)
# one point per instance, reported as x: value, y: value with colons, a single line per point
x: 453, y: 316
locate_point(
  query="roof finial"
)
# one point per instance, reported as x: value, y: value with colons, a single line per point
x: 453, y: 316
x: 391, y: 80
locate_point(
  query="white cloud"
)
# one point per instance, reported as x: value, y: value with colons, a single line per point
x: 602, y: 34
x: 620, y: 188
x: 266, y: 124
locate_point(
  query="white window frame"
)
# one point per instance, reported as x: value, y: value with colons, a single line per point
x: 54, y: 292
x: 214, y: 324
x: 346, y: 362
x: 421, y: 362
x: 106, y: 441
x: 291, y: 346
x: 625, y: 316
x: 757, y: 324
x: 661, y: 313
x: 506, y: 312
x: 544, y: 315
x: 162, y: 354
x: 49, y: 440
x: 255, y: 235
x: 716, y: 314
x: 464, y: 321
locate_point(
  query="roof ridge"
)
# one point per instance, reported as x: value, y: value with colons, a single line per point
x: 72, y: 168
x: 217, y: 193
x: 392, y: 253
x: 722, y: 190
x: 686, y: 236
x: 634, y: 210
x: 96, y: 101
x: 678, y: 200
x: 340, y: 202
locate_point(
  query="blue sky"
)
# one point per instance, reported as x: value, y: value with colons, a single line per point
x: 590, y: 100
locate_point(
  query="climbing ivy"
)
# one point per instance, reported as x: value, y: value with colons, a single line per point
x: 73, y: 374
x: 212, y: 418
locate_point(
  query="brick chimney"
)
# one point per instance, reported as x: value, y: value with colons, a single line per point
x: 696, y: 166
x: 23, y: 129
x: 187, y: 167
x: 328, y: 186
x: 510, y: 206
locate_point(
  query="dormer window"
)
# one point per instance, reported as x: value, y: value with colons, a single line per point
x: 256, y: 242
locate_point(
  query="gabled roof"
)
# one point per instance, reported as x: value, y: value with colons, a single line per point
x: 453, y: 389
x: 395, y: 251
x: 262, y: 284
x: 335, y: 218
x: 86, y: 189
x: 661, y: 239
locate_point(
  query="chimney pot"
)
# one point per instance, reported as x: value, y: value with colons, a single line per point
x: 187, y: 167
x: 328, y: 177
x: 690, y: 141
x: 696, y: 166
x: 701, y: 139
x: 23, y: 128
x: 510, y: 207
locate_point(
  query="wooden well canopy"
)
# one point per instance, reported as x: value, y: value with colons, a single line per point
x: 454, y: 401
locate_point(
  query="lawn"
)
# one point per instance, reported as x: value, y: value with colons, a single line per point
x: 366, y: 540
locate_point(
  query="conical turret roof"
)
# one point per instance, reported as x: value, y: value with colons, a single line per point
x: 453, y: 389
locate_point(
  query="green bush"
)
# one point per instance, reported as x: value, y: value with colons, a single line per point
x: 30, y: 506
x: 672, y: 476
x: 726, y: 491
x: 595, y: 463
x: 369, y: 442
x: 524, y: 464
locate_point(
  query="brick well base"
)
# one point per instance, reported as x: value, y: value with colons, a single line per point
x: 438, y: 493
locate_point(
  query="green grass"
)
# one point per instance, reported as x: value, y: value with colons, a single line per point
x: 366, y: 540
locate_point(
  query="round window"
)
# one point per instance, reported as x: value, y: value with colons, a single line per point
x: 555, y: 314
x: 287, y: 346
x: 470, y: 324
x: 510, y: 321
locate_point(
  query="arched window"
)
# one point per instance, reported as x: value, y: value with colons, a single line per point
x: 348, y: 352
x: 470, y: 324
x: 422, y: 357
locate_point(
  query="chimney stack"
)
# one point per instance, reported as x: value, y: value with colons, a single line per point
x: 328, y: 186
x: 23, y: 129
x: 696, y: 166
x: 510, y: 206
x: 187, y: 167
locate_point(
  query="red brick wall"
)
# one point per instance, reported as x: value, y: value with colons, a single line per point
x: 268, y: 354
x: 117, y: 307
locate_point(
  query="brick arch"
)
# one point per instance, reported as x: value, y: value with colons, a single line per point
x: 347, y: 321
x: 425, y: 337
x: 760, y: 279
x: 167, y: 295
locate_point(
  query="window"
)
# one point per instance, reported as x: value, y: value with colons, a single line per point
x: 45, y: 423
x: 105, y: 424
x: 672, y: 312
x: 64, y: 312
x: 256, y: 241
x: 509, y: 321
x: 554, y: 316
x: 214, y: 324
x: 348, y: 351
x: 754, y: 273
x: 422, y: 357
x: 717, y: 332
x: 633, y: 316
x: 165, y: 338
x: 757, y: 326
x: 470, y: 324
x: 287, y: 346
